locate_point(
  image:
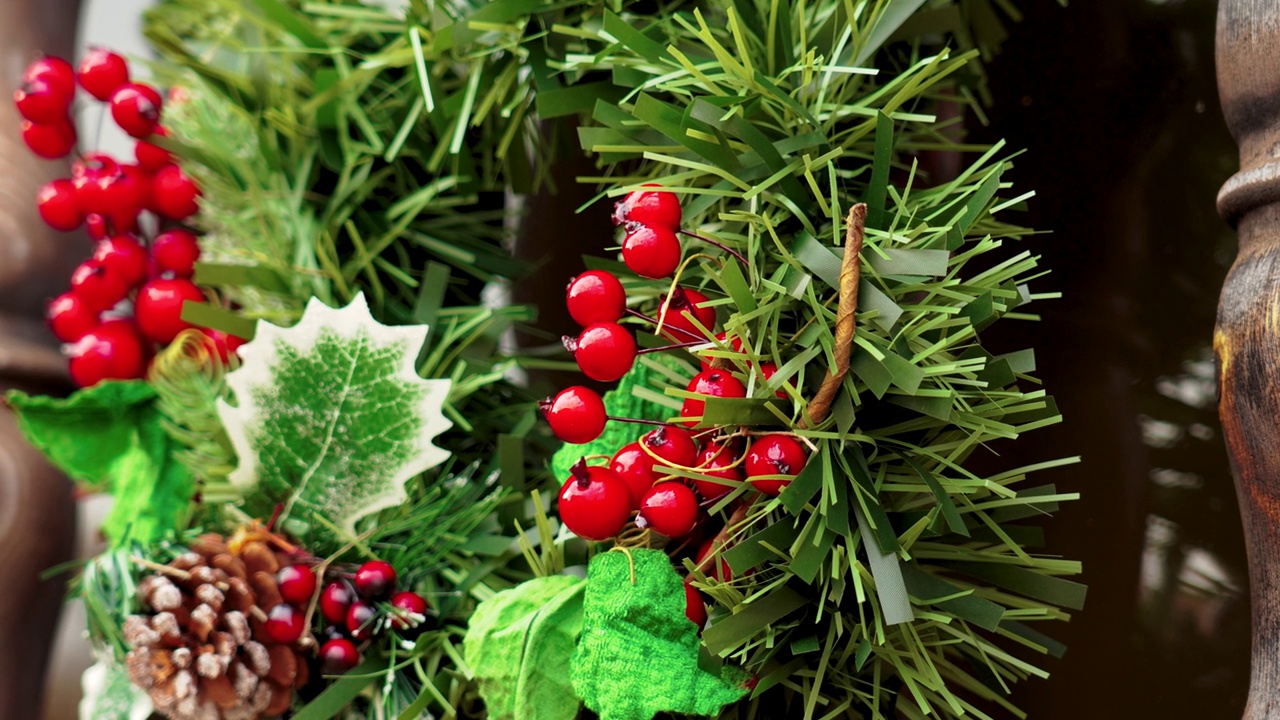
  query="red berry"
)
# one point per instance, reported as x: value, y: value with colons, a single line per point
x: 173, y: 194
x: 159, y: 307
x: 124, y: 255
x: 635, y: 467
x: 126, y: 194
x: 670, y: 508
x: 70, y: 317
x: 375, y: 579
x: 102, y: 72
x: 735, y: 343
x: 56, y: 202
x: 338, y: 656
x: 651, y: 252
x: 605, y: 351
x: 595, y: 296
x: 716, y: 383
x: 285, y: 624
x: 694, y: 608
x: 176, y: 251
x: 49, y: 141
x: 673, y: 444
x: 657, y: 208
x: 97, y: 226
x: 53, y: 70
x: 576, y: 414
x: 360, y: 620
x: 136, y: 108
x: 111, y: 351
x: 718, y: 461
x: 42, y: 102
x: 680, y: 309
x: 223, y: 344
x: 767, y: 371
x: 774, y: 455
x: 594, y: 502
x: 297, y: 584
x: 153, y: 158
x: 335, y: 601
x: 99, y: 286
x: 91, y: 177
x: 409, y: 602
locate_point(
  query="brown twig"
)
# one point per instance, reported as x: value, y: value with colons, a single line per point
x: 850, y: 275
x: 738, y: 516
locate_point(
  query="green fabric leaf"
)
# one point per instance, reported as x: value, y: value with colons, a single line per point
x: 638, y: 655
x: 332, y: 418
x: 110, y: 435
x: 519, y: 644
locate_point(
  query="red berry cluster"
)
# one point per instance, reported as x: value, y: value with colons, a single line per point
x: 354, y: 612
x: 105, y: 339
x: 597, y: 502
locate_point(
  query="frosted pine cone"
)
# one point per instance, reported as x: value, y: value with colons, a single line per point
x: 202, y: 651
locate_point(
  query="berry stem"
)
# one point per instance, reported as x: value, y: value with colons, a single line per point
x: 677, y: 346
x: 720, y: 245
x: 639, y: 421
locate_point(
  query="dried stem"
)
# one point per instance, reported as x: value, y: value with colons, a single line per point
x: 850, y: 275
x: 718, y: 244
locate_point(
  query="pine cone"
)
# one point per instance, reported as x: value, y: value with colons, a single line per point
x: 203, y: 652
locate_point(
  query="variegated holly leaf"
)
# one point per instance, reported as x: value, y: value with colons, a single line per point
x: 331, y: 418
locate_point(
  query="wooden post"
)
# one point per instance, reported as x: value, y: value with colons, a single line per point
x: 1247, y: 337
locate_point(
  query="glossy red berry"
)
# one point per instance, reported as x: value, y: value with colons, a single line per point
x: 125, y: 194
x: 694, y: 608
x: 595, y: 296
x: 91, y: 177
x: 734, y: 343
x: 223, y: 344
x: 718, y: 461
x: 285, y: 624
x: 669, y: 508
x: 681, y: 309
x: 375, y: 579
x: 100, y: 287
x: 767, y: 371
x: 159, y: 307
x: 111, y: 351
x: 656, y: 208
x: 409, y: 602
x: 335, y: 601
x: 176, y: 251
x: 635, y: 467
x: 715, y: 383
x: 136, y: 108
x: 297, y: 584
x: 49, y: 141
x: 151, y: 157
x: 42, y: 101
x: 173, y: 194
x: 360, y: 620
x: 70, y: 317
x: 594, y: 502
x: 651, y: 252
x: 576, y: 414
x: 56, y: 202
x: 53, y: 70
x: 672, y: 445
x: 102, y: 72
x: 774, y: 455
x: 338, y: 656
x: 605, y: 351
x: 124, y: 255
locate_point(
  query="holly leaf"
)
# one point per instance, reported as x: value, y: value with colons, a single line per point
x: 110, y: 437
x: 331, y: 417
x: 519, y: 644
x: 638, y: 655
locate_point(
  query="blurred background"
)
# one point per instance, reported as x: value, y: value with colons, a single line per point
x: 1115, y: 105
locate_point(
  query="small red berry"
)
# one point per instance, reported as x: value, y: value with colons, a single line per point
x: 670, y: 508
x: 136, y: 108
x: 576, y: 414
x: 126, y: 194
x: 375, y: 579
x: 285, y: 624
x: 605, y: 351
x: 70, y: 317
x: 111, y: 351
x: 100, y: 287
x: 335, y: 601
x: 595, y: 296
x: 297, y: 584
x: 42, y: 101
x: 635, y: 467
x: 767, y: 371
x: 53, y: 70
x: 694, y: 608
x: 151, y: 157
x: 594, y: 502
x: 176, y: 251
x: 91, y: 177
x: 360, y: 622
x: 681, y: 308
x: 657, y: 208
x: 102, y: 72
x: 651, y: 252
x: 338, y: 656
x: 734, y: 343
x: 672, y: 444
x: 124, y: 255
x: 173, y: 194
x: 224, y: 345
x: 56, y: 202
x: 718, y: 461
x: 159, y: 307
x: 715, y: 383
x: 409, y: 602
x: 774, y: 455
x: 49, y: 141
